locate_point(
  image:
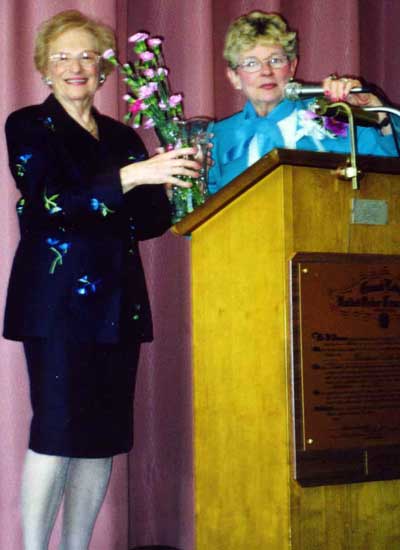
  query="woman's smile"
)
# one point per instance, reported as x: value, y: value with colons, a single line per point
x: 73, y: 81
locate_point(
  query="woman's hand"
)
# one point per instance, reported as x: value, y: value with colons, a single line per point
x: 163, y: 168
x: 339, y: 89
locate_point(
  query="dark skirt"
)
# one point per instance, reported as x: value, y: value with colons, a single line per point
x: 82, y: 396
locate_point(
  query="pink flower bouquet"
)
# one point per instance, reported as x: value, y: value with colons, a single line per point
x: 152, y: 105
x: 150, y: 102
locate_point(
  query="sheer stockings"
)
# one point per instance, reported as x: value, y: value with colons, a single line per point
x: 46, y: 479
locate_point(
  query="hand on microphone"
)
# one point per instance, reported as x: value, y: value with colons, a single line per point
x: 339, y: 89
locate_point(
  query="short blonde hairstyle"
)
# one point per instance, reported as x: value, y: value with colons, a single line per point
x: 67, y: 20
x: 258, y: 27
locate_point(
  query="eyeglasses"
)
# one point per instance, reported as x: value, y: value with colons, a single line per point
x: 86, y: 59
x: 253, y: 64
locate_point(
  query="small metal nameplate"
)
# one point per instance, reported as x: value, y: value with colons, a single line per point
x: 368, y: 211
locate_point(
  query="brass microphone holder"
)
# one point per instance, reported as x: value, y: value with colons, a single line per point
x: 349, y: 171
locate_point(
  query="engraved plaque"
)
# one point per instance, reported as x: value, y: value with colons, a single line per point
x: 346, y: 353
x: 369, y: 212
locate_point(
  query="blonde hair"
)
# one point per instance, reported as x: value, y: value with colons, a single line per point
x: 67, y: 20
x: 258, y: 27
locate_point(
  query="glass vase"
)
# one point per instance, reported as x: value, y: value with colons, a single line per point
x: 189, y: 133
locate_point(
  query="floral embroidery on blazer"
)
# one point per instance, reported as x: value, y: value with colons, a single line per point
x: 78, y: 257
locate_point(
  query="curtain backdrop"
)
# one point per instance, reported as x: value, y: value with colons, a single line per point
x: 150, y: 500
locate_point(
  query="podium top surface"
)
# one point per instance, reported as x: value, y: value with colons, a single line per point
x: 266, y: 165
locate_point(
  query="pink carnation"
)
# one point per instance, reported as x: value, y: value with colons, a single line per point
x: 162, y: 71
x: 154, y: 42
x: 146, y: 56
x: 149, y: 123
x: 108, y: 53
x: 138, y: 37
x: 153, y: 86
x: 149, y: 73
x: 175, y: 99
x: 136, y: 106
x: 145, y: 91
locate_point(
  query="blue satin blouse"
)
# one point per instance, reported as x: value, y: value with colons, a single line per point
x: 243, y: 138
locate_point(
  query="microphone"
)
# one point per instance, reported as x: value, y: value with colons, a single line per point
x: 296, y: 90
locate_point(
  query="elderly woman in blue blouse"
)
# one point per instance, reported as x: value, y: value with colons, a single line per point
x: 262, y: 56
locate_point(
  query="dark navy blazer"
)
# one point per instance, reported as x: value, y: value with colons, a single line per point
x: 78, y: 260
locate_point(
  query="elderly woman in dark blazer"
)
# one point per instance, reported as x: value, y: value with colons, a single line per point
x: 77, y: 296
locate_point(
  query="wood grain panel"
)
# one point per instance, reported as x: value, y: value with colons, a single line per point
x: 245, y: 495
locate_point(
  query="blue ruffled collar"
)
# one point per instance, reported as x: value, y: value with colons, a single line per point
x: 252, y: 124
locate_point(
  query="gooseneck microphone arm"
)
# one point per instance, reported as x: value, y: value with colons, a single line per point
x: 383, y: 109
x: 296, y: 90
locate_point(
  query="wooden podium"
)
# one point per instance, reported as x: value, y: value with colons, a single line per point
x: 246, y: 497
